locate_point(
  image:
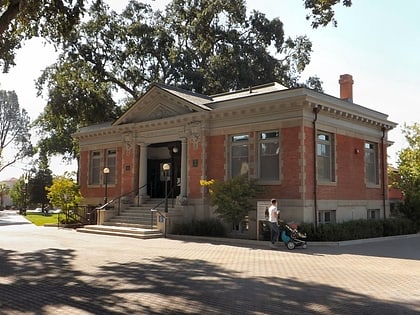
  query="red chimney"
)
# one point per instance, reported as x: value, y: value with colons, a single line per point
x: 346, y: 87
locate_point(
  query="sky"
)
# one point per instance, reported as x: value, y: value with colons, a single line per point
x: 376, y: 41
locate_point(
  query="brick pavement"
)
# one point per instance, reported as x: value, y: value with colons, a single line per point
x: 58, y: 271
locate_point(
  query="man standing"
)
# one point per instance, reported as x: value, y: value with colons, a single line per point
x: 273, y: 216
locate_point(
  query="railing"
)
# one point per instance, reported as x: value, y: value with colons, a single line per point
x: 119, y: 200
x: 154, y: 210
x: 79, y: 215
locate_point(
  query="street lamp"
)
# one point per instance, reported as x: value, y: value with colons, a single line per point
x: 26, y: 180
x: 166, y: 167
x: 106, y: 172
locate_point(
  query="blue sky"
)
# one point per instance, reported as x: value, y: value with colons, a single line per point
x: 376, y: 41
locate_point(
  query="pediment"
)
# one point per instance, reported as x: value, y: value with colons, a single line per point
x: 159, y: 103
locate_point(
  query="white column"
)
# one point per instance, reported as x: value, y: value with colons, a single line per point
x: 143, y: 170
x: 184, y: 165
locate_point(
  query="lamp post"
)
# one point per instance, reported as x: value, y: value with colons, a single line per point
x: 106, y: 172
x: 166, y: 167
x: 26, y: 180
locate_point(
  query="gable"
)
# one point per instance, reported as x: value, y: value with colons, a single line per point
x: 160, y: 102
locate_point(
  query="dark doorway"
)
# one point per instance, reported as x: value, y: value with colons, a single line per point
x: 161, y: 153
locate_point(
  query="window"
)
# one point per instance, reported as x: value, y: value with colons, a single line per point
x: 269, y: 149
x: 373, y: 214
x: 325, y: 157
x: 371, y: 163
x: 111, y: 162
x: 326, y: 216
x: 239, y: 155
x: 95, y: 168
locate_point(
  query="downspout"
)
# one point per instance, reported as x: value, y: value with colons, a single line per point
x: 384, y: 170
x: 316, y: 110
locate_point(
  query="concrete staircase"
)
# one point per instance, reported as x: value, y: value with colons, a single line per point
x: 135, y: 221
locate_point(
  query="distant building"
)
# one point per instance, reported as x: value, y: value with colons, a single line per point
x: 324, y: 158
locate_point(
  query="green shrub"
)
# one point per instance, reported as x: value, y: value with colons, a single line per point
x: 358, y: 229
x: 205, y: 227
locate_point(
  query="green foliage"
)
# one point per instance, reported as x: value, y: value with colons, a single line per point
x: 205, y: 227
x: 322, y: 12
x: 17, y: 192
x: 408, y: 176
x: 206, y: 46
x: 358, y: 229
x: 21, y: 20
x: 234, y: 198
x: 64, y: 192
x: 37, y: 193
x: 14, y: 130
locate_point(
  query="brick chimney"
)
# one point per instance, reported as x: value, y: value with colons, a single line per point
x: 346, y: 87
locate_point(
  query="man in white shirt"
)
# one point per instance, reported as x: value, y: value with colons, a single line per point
x: 273, y: 217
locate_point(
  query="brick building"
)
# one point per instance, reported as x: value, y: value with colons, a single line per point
x: 324, y: 158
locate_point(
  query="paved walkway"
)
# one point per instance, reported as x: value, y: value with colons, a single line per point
x: 53, y: 271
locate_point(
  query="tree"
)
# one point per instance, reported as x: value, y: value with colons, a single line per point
x: 409, y: 172
x: 322, y: 12
x: 38, y: 183
x: 65, y: 194
x: 21, y: 20
x: 206, y: 46
x: 233, y: 198
x: 4, y: 191
x: 18, y: 191
x: 14, y: 130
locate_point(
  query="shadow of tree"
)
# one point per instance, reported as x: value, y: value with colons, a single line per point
x: 46, y: 282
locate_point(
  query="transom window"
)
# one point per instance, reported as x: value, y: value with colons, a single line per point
x: 269, y: 149
x: 325, y: 156
x: 239, y: 155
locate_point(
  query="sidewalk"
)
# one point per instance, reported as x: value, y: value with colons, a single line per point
x: 53, y: 271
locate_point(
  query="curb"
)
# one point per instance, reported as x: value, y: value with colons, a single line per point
x: 263, y: 244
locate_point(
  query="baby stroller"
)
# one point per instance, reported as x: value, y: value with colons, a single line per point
x: 292, y: 237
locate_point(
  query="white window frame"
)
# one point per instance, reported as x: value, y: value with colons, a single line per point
x: 325, y: 150
x: 111, y: 164
x: 270, y: 139
x: 95, y: 167
x: 239, y: 153
x: 327, y: 216
x: 371, y: 163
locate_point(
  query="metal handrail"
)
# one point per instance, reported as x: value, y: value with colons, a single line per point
x: 160, y: 213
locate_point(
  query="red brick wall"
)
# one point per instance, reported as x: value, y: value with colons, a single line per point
x: 216, y: 157
x: 194, y: 172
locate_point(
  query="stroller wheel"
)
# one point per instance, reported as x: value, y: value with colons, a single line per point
x: 304, y: 246
x: 290, y: 245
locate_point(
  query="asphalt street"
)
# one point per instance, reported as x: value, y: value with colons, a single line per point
x: 49, y: 270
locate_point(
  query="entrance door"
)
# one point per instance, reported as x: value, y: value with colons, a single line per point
x: 160, y: 154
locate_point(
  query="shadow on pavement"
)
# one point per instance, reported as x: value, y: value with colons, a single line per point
x: 402, y: 247
x: 7, y: 222
x: 32, y: 283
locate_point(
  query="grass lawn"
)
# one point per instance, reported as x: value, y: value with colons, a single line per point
x: 39, y: 219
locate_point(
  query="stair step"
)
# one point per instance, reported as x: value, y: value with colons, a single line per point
x: 121, y: 231
x: 128, y: 224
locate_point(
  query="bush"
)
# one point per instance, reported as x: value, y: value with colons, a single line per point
x: 358, y: 229
x: 206, y: 227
